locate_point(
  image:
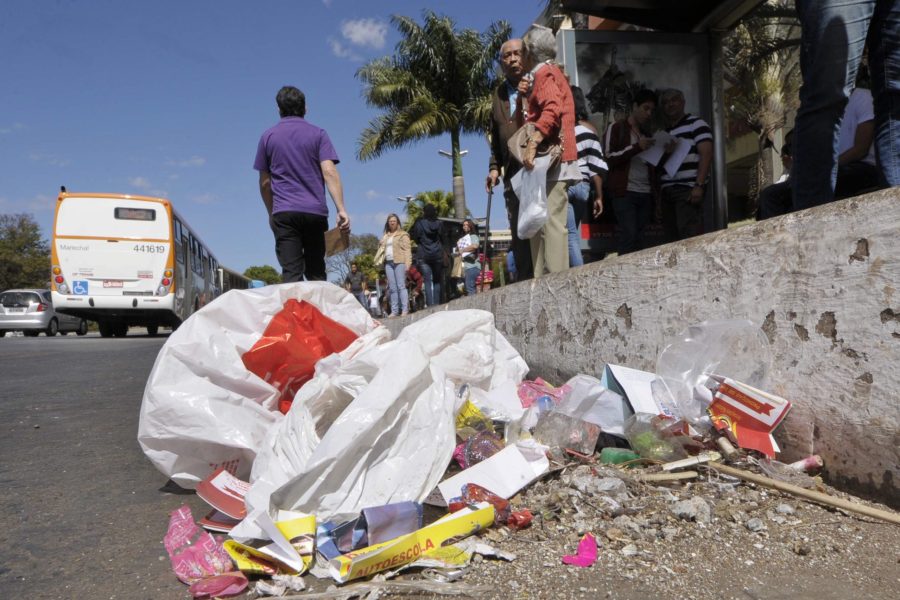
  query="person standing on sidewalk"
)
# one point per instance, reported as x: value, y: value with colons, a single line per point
x: 683, y: 193
x: 832, y: 38
x: 506, y: 117
x: 630, y: 178
x: 296, y: 162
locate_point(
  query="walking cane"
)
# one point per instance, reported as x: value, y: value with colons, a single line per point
x: 487, y: 234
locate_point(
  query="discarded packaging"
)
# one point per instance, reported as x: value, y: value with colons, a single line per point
x: 505, y: 473
x: 219, y: 586
x: 586, y: 554
x: 409, y: 547
x: 703, y: 457
x: 477, y: 448
x: 653, y: 437
x: 735, y: 348
x: 194, y: 553
x: 750, y: 414
x: 296, y: 338
x: 225, y: 493
x: 617, y: 456
x: 473, y: 494
x: 201, y: 405
x: 559, y: 431
x: 519, y: 519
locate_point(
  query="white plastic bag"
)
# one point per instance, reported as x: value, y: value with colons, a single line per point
x: 395, y: 433
x: 531, y: 190
x: 202, y: 408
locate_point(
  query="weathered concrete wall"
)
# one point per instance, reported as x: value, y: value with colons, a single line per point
x: 822, y: 284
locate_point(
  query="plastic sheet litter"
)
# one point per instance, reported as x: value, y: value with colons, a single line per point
x: 295, y: 339
x: 194, y: 553
x: 202, y: 408
x: 733, y: 348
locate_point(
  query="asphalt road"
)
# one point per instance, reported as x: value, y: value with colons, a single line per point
x: 82, y: 513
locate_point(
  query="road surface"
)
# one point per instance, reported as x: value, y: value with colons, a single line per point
x: 82, y: 514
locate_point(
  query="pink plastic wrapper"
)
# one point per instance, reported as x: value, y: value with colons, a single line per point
x: 219, y: 586
x: 587, y: 552
x: 194, y: 553
x: 530, y: 391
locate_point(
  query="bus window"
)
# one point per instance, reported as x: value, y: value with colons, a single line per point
x: 204, y: 262
x: 176, y: 227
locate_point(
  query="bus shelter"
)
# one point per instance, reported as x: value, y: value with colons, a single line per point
x: 671, y: 45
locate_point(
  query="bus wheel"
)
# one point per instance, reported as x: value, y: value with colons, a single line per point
x: 106, y: 328
x: 120, y: 330
x: 153, y: 330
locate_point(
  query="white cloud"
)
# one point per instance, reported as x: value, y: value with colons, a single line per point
x: 49, y: 159
x: 365, y: 32
x: 342, y: 51
x: 372, y: 194
x: 9, y: 129
x: 205, y: 199
x: 194, y: 161
x: 141, y: 183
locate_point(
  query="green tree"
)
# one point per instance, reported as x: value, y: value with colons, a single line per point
x: 24, y: 254
x: 762, y: 65
x: 265, y: 273
x: 438, y: 81
x: 362, y: 251
x: 441, y: 199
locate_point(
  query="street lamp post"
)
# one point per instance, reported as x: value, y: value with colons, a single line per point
x: 459, y: 188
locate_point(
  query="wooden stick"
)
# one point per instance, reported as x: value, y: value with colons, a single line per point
x: 861, y: 509
x: 650, y: 477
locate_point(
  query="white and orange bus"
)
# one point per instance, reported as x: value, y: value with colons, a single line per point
x: 124, y: 260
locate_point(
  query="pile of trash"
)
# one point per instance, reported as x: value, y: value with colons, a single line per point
x: 327, y: 449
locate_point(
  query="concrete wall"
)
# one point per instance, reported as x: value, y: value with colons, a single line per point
x: 822, y: 284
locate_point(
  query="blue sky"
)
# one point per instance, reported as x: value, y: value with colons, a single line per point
x: 170, y: 97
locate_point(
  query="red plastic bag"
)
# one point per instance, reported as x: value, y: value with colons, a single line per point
x: 294, y: 341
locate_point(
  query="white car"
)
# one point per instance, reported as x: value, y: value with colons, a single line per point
x: 31, y: 312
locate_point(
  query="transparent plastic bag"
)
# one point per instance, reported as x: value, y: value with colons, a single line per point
x: 734, y: 348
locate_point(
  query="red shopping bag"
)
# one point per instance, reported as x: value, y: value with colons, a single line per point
x: 296, y: 338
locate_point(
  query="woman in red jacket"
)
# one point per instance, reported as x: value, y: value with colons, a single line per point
x: 551, y: 108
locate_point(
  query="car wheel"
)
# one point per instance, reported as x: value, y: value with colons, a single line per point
x: 106, y: 328
x: 52, y: 328
x: 82, y: 328
x: 152, y: 330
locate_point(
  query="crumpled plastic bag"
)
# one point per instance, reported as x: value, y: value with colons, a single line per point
x: 734, y: 348
x: 295, y: 339
x: 379, y: 427
x: 202, y: 408
x: 194, y: 553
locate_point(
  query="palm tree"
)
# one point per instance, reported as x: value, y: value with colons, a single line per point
x: 442, y: 200
x: 763, y: 67
x: 438, y: 81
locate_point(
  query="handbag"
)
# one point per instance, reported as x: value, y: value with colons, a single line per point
x: 519, y: 140
x: 378, y: 261
x: 457, y: 270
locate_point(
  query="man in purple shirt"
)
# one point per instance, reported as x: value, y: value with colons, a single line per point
x: 296, y: 162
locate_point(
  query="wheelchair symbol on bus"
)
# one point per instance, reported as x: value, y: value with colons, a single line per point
x: 80, y: 287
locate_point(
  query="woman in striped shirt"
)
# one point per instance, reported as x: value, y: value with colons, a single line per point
x: 593, y: 169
